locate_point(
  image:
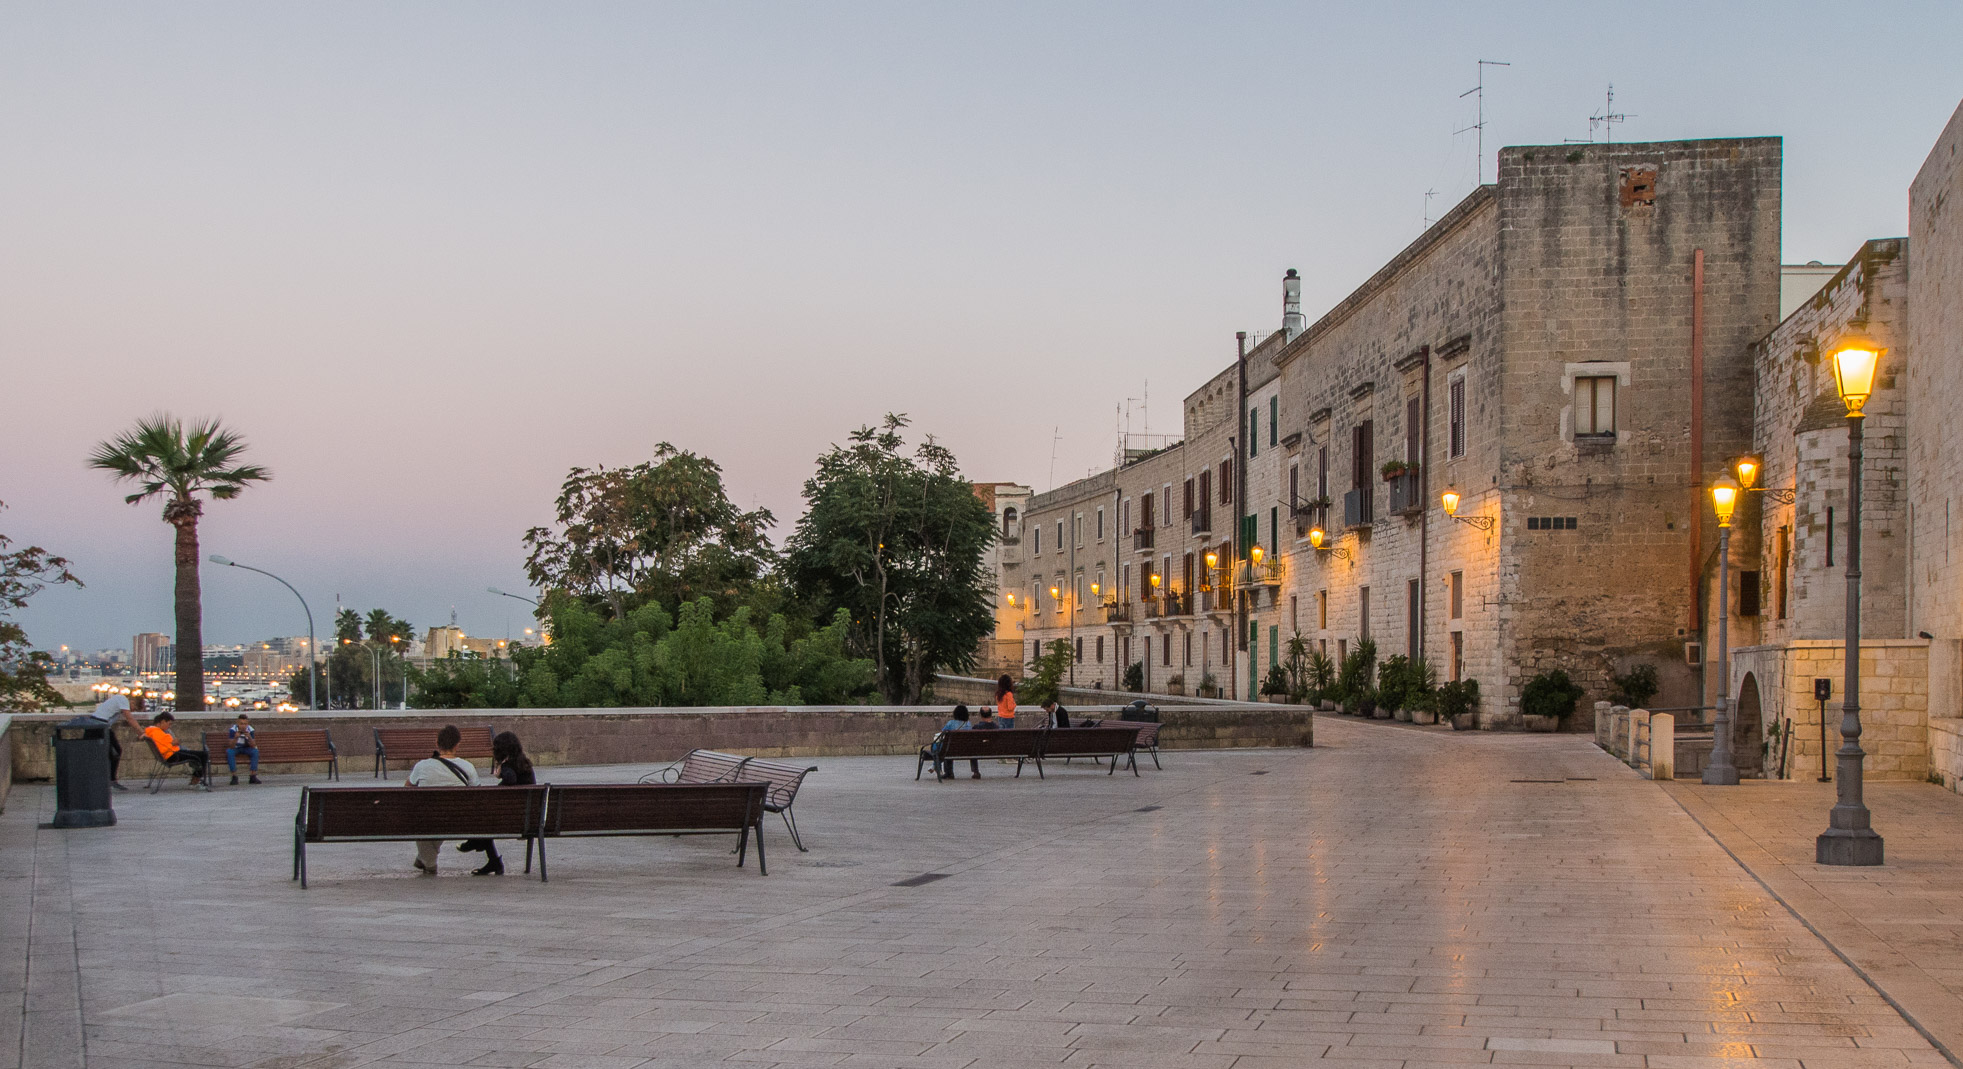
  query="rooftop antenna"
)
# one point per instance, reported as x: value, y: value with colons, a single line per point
x: 1606, y: 119
x: 1429, y: 193
x: 1055, y: 437
x: 1479, y: 93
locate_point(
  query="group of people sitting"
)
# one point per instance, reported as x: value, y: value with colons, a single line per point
x: 1001, y: 716
x: 445, y: 769
x: 240, y: 741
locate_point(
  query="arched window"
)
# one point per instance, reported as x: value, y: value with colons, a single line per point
x: 1011, y: 525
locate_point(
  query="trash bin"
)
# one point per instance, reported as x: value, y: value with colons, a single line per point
x: 1139, y: 712
x: 82, y: 774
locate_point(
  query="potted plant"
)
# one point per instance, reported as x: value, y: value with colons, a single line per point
x: 1274, y: 685
x: 1135, y: 677
x: 1547, y: 698
x: 1458, y: 704
x: 1394, y: 469
x: 1176, y: 684
x: 1209, y: 686
x: 1635, y: 688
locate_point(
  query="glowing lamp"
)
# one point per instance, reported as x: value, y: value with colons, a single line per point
x: 1724, y: 498
x: 1746, y: 468
x: 1316, y: 537
x: 1254, y: 554
x: 1212, y: 560
x: 1450, y: 500
x: 1155, y: 580
x: 1854, y: 365
x: 1055, y: 594
x: 1094, y: 589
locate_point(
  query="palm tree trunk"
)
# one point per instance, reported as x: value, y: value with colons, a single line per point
x: 190, y: 619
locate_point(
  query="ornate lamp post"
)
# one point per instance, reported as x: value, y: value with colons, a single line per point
x: 1849, y: 840
x: 1722, y: 770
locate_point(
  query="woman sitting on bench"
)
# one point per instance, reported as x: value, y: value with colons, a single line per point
x: 159, y: 735
x: 514, y: 769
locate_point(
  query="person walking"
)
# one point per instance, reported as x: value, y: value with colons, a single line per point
x: 513, y: 769
x: 160, y: 736
x: 1005, y: 702
x: 111, y: 709
x: 440, y: 769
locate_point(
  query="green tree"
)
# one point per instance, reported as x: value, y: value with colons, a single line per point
x: 896, y: 540
x: 663, y: 530
x: 167, y: 460
x: 24, y: 670
x: 347, y: 626
x: 1046, y: 672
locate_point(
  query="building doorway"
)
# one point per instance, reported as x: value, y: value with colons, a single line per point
x: 1747, y: 731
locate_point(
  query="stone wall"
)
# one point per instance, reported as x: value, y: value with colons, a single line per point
x: 1894, y: 705
x: 634, y: 736
x: 1935, y: 463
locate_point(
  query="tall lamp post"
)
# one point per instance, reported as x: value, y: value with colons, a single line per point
x: 1849, y: 840
x: 1723, y: 770
x: 312, y: 669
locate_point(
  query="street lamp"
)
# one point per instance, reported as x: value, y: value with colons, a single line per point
x: 1722, y: 770
x: 503, y: 594
x: 312, y: 670
x: 1316, y: 539
x: 1849, y: 839
x: 1449, y: 501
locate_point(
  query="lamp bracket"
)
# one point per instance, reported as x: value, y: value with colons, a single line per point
x: 1781, y: 494
x: 1484, y: 523
x: 1337, y: 551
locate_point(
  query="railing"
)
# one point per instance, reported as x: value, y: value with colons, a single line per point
x: 1644, y: 740
x: 1309, y: 514
x: 1178, y: 604
x: 1405, y: 493
x: 1117, y: 612
x: 1357, y: 510
x: 1203, y: 521
x: 1141, y: 539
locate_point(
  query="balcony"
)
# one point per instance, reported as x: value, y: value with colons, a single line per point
x: 1266, y: 573
x: 1141, y: 539
x: 1166, y: 605
x: 1203, y: 522
x: 1357, y: 508
x: 1406, y: 494
x: 1117, y: 612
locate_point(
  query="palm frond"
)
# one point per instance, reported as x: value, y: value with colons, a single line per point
x: 165, y: 457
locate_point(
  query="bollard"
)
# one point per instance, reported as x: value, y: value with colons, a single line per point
x: 1663, y: 746
x: 1604, y: 725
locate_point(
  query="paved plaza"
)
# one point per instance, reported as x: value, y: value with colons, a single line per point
x: 1394, y: 897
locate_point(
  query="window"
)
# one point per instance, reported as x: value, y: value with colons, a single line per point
x: 1077, y: 528
x: 1361, y: 453
x: 1145, y: 512
x: 1748, y: 593
x: 1363, y: 612
x: 1594, y: 405
x: 1100, y: 523
x: 1455, y: 400
x: 1186, y: 654
x: 1274, y: 420
x: 1036, y: 534
x: 1274, y: 534
x: 1414, y: 421
x: 1186, y: 575
x: 1205, y: 496
x: 1294, y: 615
x: 1008, y: 524
x: 1458, y: 656
x: 1322, y: 610
x: 1785, y: 548
x: 1455, y: 584
x: 1227, y: 482
x: 1253, y: 433
x: 1411, y: 637
x: 1829, y: 536
x: 1124, y: 517
x: 1205, y: 657
x: 1079, y: 652
x: 1322, y: 472
x: 1124, y: 582
x: 1188, y: 499
x: 1165, y: 651
x: 1294, y: 486
x: 1059, y: 536
x: 1165, y: 500
x: 1100, y: 649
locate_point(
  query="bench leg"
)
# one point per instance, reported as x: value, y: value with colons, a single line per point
x: 790, y: 823
x: 300, y: 860
x: 542, y: 877
x: 1155, y: 758
x: 762, y: 869
x: 1133, y: 758
x: 743, y: 844
x: 1114, y: 764
x: 528, y: 856
x: 922, y: 764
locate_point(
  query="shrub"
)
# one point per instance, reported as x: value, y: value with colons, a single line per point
x: 1549, y: 694
x: 1636, y: 688
x: 1276, y: 681
x: 1458, y: 696
x: 1045, y: 675
x: 1321, y: 672
x: 1135, y: 677
x: 1358, y: 668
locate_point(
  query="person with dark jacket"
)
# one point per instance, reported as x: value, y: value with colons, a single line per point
x: 514, y: 769
x: 1059, y: 716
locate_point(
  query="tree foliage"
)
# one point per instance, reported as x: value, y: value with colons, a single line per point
x: 896, y: 541
x: 1046, y: 672
x: 663, y: 531
x: 24, y: 670
x: 167, y: 460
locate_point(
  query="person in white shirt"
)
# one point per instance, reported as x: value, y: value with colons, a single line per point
x: 440, y: 769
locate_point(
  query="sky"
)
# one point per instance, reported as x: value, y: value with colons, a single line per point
x: 427, y: 257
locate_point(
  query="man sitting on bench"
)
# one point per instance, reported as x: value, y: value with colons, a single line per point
x: 440, y: 769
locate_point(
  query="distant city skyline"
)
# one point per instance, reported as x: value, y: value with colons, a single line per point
x: 427, y: 259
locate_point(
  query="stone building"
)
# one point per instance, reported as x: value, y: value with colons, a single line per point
x: 1567, y: 349
x: 1001, y: 651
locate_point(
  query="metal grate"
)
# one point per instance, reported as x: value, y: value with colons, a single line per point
x: 923, y: 879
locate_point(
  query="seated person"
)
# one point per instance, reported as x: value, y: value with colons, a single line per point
x: 957, y: 721
x: 167, y: 748
x: 1059, y: 716
x: 440, y: 769
x: 240, y: 739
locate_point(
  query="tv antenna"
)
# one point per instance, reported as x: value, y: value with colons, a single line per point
x: 1479, y: 93
x: 1429, y: 193
x: 1606, y: 119
x: 1055, y: 437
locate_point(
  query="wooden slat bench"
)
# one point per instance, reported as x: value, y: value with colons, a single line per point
x: 296, y: 746
x: 1110, y: 739
x: 1148, y: 734
x: 413, y: 744
x: 701, y: 766
x: 655, y: 809
x: 784, y: 781
x: 975, y: 745
x: 404, y: 814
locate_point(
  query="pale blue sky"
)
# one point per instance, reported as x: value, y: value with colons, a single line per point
x: 429, y: 256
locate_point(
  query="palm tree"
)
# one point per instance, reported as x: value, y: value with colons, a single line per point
x: 166, y: 460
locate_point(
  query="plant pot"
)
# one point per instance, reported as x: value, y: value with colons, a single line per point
x: 1539, y: 723
x: 1176, y: 688
x: 1465, y: 722
x: 1380, y: 714
x: 1404, y: 716
x: 1423, y: 716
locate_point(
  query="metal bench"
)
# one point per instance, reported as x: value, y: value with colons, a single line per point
x: 404, y: 814
x: 1106, y: 740
x: 784, y: 781
x: 284, y: 747
x: 414, y: 744
x: 655, y: 809
x: 1148, y: 735
x: 974, y: 745
x: 701, y: 766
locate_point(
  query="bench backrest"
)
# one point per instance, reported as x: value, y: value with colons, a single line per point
x: 986, y: 743
x: 301, y: 744
x: 414, y: 744
x: 1148, y: 732
x: 597, y: 809
x: 783, y: 779
x: 711, y: 766
x: 1083, y: 742
x: 353, y: 814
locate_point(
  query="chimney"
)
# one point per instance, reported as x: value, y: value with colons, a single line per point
x: 1292, y: 323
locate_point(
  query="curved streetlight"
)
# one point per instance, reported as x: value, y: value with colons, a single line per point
x: 312, y: 668
x: 502, y: 594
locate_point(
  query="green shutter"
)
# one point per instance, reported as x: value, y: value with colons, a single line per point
x: 1274, y: 420
x: 1274, y: 532
x: 1274, y: 644
x: 1253, y: 431
x: 1250, y: 533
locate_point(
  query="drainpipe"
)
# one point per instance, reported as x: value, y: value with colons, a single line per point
x: 1697, y: 463
x: 1240, y: 500
x: 1424, y: 502
x: 1117, y: 566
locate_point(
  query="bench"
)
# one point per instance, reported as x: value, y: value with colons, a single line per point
x: 404, y: 814
x: 283, y: 747
x: 655, y: 809
x: 784, y: 781
x: 975, y: 745
x: 414, y: 744
x: 701, y: 766
x: 1148, y: 734
x: 1109, y: 739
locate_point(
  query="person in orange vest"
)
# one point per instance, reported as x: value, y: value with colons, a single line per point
x: 1005, y: 701
x: 167, y: 748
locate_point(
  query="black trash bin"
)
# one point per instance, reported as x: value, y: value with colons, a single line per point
x: 82, y: 774
x: 1139, y: 712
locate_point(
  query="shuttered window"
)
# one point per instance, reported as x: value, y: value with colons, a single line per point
x: 1594, y: 405
x: 1456, y: 396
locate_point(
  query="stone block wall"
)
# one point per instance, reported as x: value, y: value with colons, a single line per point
x: 1894, y: 704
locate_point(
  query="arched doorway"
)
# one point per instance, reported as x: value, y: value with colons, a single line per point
x: 1747, y: 731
